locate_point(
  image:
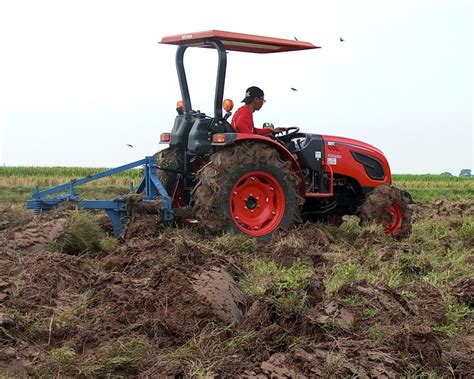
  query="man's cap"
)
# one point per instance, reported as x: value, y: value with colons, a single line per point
x: 252, y: 93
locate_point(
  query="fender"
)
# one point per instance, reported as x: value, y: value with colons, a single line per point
x: 231, y: 138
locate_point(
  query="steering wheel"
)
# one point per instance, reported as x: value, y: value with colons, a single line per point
x: 287, y: 133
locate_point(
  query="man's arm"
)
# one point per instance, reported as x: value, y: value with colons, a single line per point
x: 263, y: 132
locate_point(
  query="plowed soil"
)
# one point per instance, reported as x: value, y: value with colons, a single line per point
x: 168, y: 303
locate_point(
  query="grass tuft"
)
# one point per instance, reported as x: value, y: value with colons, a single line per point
x: 350, y: 229
x: 352, y: 300
x: 108, y: 243
x: 333, y: 365
x: 447, y: 267
x: 343, y: 273
x: 200, y: 372
x: 370, y: 312
x: 285, y: 286
x: 63, y: 355
x: 82, y: 235
x: 419, y: 374
x: 379, y: 332
x: 456, y: 312
x: 235, y: 243
x: 120, y: 355
x: 428, y: 232
x: 466, y: 232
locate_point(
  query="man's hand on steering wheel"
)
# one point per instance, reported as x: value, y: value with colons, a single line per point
x: 278, y: 130
x: 285, y: 134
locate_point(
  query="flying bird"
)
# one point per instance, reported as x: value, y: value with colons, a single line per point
x: 340, y: 39
x: 296, y: 39
x: 129, y: 145
x: 294, y: 89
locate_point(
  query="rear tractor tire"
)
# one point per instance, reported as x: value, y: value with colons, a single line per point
x: 247, y: 189
x: 167, y: 159
x: 388, y: 205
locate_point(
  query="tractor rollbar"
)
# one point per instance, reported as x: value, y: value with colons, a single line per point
x: 220, y: 81
x: 152, y: 191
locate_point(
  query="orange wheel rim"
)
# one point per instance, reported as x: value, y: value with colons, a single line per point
x: 257, y: 203
x: 394, y: 225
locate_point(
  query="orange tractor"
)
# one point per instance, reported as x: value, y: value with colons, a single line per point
x: 258, y: 185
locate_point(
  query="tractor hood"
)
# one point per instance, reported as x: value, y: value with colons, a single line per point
x: 356, y: 159
x: 349, y: 142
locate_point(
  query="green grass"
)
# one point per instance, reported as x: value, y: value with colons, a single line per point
x: 204, y: 353
x: 123, y: 355
x: 427, y: 188
x: 83, y: 234
x: 343, y: 273
x: 230, y: 243
x: 370, y: 312
x: 448, y: 266
x: 47, y: 176
x: 455, y: 314
x: 285, y: 286
x: 466, y: 232
x: 63, y: 355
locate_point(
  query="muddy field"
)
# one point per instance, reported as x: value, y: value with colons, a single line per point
x: 318, y: 301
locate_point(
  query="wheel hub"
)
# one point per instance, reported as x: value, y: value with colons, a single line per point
x: 257, y: 203
x: 251, y: 202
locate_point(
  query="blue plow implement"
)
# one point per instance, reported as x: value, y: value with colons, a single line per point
x: 152, y: 192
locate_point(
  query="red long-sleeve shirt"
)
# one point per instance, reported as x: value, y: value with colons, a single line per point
x: 242, y: 122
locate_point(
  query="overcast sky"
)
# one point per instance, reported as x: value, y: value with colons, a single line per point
x: 79, y: 80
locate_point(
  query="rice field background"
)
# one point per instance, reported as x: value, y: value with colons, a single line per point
x: 17, y: 183
x: 51, y: 176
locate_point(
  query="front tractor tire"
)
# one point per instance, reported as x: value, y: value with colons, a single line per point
x: 247, y: 189
x: 388, y: 205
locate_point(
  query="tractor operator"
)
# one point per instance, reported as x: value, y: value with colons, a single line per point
x: 242, y: 121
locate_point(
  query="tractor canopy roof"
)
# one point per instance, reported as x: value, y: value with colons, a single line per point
x: 238, y: 42
x: 222, y: 42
